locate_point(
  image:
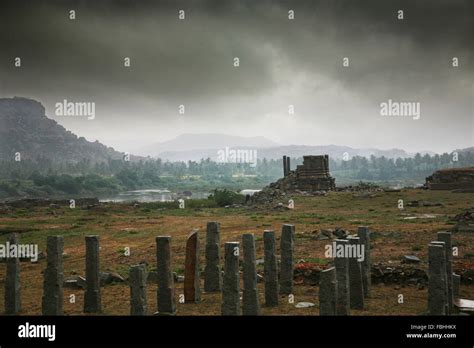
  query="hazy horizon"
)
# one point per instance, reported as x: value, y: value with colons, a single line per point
x: 282, y: 62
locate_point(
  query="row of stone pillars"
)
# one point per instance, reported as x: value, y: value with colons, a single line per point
x: 443, y: 284
x: 342, y: 287
x: 228, y: 284
x: 52, y: 301
x: 275, y: 283
x: 286, y: 165
x: 347, y: 284
x: 214, y: 281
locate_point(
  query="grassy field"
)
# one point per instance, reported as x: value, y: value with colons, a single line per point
x: 126, y: 225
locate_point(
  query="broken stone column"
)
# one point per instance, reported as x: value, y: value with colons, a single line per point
x: 92, y: 299
x: 192, y: 291
x: 448, y: 249
x: 327, y: 292
x: 366, y: 265
x: 231, y: 284
x: 12, y: 281
x: 437, y: 283
x: 342, y: 276
x: 456, y: 286
x: 53, y: 277
x: 165, y: 291
x: 288, y: 166
x: 212, y: 271
x: 356, y: 287
x: 250, y: 302
x: 138, y: 296
x: 270, y: 269
x: 287, y: 244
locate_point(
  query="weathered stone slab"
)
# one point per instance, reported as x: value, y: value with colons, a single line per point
x: 287, y: 244
x: 437, y: 282
x: 364, y: 234
x: 165, y: 290
x: 448, y: 249
x: 52, y: 303
x: 356, y: 287
x: 270, y: 269
x: 92, y: 297
x: 250, y: 301
x: 464, y: 307
x: 231, y: 283
x: 212, y: 271
x: 192, y: 291
x: 327, y: 292
x: 138, y: 295
x: 12, y: 281
x: 342, y: 276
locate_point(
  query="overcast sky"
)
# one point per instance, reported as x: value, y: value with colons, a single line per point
x: 282, y: 62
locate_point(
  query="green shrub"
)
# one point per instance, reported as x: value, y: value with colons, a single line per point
x: 226, y: 197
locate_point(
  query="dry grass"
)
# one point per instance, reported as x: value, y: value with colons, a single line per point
x: 122, y: 226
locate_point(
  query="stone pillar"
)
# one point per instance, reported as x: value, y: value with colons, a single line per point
x: 53, y: 277
x: 448, y: 249
x: 342, y: 277
x: 327, y: 292
x: 270, y: 269
x: 288, y: 165
x: 192, y: 291
x: 356, y: 287
x: 437, y: 284
x: 285, y: 163
x: 212, y: 271
x: 231, y: 284
x: 366, y: 265
x: 287, y: 244
x: 456, y: 286
x: 12, y: 281
x: 92, y: 299
x: 165, y: 292
x: 250, y: 302
x: 138, y: 296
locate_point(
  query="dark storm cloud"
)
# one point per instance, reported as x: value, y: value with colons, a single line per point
x: 169, y: 57
x: 194, y: 57
x: 282, y: 61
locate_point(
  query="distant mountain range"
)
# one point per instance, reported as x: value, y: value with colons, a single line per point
x: 465, y: 150
x: 197, y: 146
x: 334, y: 151
x: 195, y: 142
x: 25, y: 128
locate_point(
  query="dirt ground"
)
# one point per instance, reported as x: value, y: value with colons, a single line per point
x: 135, y: 227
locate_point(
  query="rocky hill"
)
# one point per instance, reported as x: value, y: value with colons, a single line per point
x: 25, y: 128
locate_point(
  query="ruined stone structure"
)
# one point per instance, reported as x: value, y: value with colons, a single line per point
x: 312, y: 175
x: 451, y: 179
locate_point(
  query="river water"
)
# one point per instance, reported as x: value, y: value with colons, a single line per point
x: 152, y: 195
